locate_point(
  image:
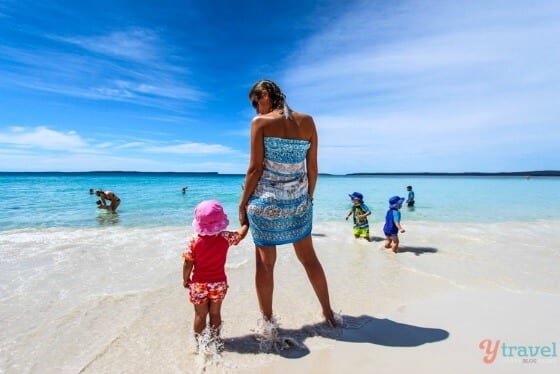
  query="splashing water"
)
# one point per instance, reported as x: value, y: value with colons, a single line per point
x: 208, y: 348
x: 338, y: 318
x: 268, y: 338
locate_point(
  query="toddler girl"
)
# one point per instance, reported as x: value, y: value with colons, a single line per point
x: 204, y: 264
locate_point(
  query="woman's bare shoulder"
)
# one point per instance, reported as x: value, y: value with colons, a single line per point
x: 302, y: 116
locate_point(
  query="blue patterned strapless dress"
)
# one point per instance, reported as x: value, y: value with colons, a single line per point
x: 279, y: 209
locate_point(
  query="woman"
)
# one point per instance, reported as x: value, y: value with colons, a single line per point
x: 278, y: 192
x: 108, y: 195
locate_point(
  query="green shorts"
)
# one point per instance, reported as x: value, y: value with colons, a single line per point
x: 362, y: 232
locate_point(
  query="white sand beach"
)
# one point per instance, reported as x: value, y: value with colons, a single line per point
x: 121, y: 308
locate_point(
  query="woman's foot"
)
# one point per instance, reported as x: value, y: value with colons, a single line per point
x: 333, y: 319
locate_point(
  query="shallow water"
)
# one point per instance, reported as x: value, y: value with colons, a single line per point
x: 152, y: 200
x: 104, y: 299
x: 83, y: 290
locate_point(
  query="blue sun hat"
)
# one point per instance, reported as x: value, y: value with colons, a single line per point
x: 395, y: 201
x: 356, y: 195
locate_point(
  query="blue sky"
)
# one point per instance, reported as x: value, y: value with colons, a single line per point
x: 393, y: 86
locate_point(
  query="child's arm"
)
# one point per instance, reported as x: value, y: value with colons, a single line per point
x: 348, y: 215
x: 187, y: 269
x: 397, y: 220
x: 366, y: 211
x: 234, y: 237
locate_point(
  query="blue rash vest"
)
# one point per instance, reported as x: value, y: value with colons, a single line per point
x: 393, y: 215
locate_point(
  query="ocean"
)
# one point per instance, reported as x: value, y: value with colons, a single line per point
x: 45, y: 200
x: 84, y: 290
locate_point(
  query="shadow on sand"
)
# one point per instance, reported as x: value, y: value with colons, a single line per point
x: 362, y: 329
x: 417, y: 250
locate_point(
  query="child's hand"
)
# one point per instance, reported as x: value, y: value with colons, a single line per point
x: 347, y: 218
x: 187, y: 283
x: 402, y: 230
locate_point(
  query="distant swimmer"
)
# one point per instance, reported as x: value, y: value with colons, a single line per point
x: 410, y: 198
x: 184, y: 190
x: 91, y: 191
x: 110, y: 196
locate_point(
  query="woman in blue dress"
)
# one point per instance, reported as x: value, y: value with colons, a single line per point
x: 278, y: 193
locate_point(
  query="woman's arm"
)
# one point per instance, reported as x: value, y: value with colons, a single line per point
x: 311, y: 161
x: 255, y: 169
x: 243, y: 231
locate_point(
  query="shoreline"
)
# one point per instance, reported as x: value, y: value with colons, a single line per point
x: 104, y: 308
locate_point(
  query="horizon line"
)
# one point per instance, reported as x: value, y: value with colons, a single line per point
x: 465, y: 173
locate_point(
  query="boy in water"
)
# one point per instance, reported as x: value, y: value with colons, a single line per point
x: 410, y: 198
x: 360, y: 212
x: 393, y: 223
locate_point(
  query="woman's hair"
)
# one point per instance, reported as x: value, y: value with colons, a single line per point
x: 277, y: 98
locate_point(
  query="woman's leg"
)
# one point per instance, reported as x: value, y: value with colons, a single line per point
x: 306, y: 255
x: 264, y: 278
x: 115, y: 204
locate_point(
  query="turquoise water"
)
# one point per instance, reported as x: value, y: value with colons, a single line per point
x: 41, y: 200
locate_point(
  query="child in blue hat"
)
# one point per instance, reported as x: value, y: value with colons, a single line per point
x: 360, y: 212
x: 393, y: 223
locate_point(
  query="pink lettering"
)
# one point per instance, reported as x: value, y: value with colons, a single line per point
x: 491, y: 350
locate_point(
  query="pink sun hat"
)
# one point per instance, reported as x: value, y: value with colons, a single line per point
x: 209, y: 218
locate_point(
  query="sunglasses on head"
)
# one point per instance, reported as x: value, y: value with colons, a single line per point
x: 255, y: 102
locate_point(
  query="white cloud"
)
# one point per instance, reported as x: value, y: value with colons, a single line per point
x: 42, y: 138
x: 105, y: 145
x: 131, y: 145
x: 45, y: 149
x: 131, y: 66
x: 193, y: 149
x: 134, y: 44
x: 432, y: 82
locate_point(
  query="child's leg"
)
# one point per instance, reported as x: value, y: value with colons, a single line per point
x: 200, y: 314
x: 395, y: 245
x: 387, y: 241
x: 215, y: 316
x: 356, y: 231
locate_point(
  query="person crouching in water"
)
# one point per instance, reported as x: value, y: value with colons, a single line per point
x: 204, y: 266
x: 110, y: 196
x: 393, y: 223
